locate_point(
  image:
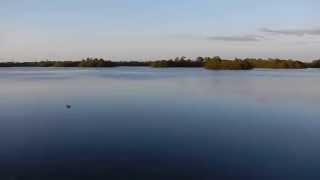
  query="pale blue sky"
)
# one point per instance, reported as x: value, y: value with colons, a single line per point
x: 148, y: 29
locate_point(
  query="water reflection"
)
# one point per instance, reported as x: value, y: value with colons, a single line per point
x: 159, y: 124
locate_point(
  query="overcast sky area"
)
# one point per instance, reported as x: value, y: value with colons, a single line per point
x: 149, y: 29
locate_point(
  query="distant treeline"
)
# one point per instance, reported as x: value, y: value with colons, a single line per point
x: 215, y: 63
x: 88, y: 62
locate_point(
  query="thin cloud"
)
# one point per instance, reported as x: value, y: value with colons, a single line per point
x: 293, y: 32
x: 241, y: 38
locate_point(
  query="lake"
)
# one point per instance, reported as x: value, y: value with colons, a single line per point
x: 172, y: 123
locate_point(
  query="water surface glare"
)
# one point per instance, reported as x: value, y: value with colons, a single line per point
x: 144, y: 123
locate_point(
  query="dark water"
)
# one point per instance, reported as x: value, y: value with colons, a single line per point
x: 143, y: 123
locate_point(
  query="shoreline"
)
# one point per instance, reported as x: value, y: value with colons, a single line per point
x: 210, y: 63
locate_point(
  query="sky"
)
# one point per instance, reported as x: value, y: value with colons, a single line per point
x: 149, y: 29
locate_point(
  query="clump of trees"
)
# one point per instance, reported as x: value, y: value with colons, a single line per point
x: 178, y: 62
x: 276, y: 63
x: 65, y: 64
x: 132, y: 63
x: 216, y: 63
x: 314, y: 64
x: 90, y: 62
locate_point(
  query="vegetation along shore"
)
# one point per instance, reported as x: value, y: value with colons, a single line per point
x: 214, y: 63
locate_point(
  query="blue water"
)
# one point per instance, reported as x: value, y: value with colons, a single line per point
x: 144, y: 123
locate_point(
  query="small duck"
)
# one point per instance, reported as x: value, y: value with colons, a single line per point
x: 68, y: 106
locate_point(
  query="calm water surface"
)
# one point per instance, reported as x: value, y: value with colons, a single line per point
x: 144, y: 123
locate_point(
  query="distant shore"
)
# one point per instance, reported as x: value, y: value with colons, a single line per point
x: 213, y: 63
